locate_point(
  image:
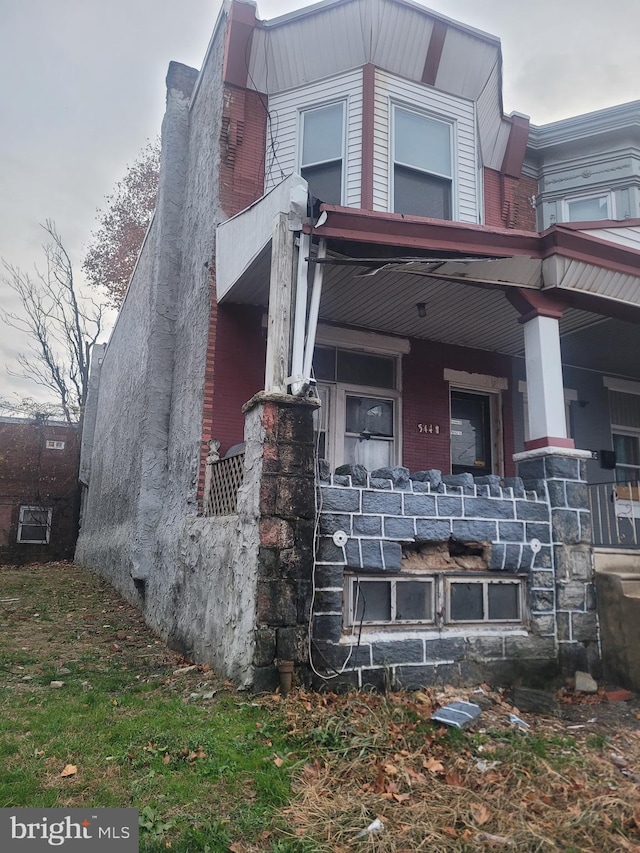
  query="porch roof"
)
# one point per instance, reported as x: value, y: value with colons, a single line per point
x: 379, y: 266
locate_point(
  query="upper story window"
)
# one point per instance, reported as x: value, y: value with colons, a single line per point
x: 587, y: 208
x: 52, y: 444
x: 422, y: 165
x: 322, y: 151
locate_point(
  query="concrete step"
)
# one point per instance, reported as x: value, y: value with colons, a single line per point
x: 630, y: 588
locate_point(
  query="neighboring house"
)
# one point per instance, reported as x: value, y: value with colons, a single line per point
x: 375, y: 296
x: 38, y: 490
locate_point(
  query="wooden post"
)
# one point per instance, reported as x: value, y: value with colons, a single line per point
x: 280, y: 307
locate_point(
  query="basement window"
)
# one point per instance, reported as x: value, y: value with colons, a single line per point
x: 34, y: 526
x: 434, y: 599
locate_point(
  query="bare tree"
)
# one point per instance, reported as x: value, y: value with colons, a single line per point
x: 61, y: 328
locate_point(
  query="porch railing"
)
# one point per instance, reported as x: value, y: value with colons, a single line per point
x: 615, y: 514
x: 223, y: 478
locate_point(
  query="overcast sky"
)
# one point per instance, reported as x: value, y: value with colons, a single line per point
x: 83, y: 89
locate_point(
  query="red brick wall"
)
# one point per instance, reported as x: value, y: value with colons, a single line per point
x: 425, y: 400
x: 242, y: 149
x: 32, y: 475
x: 507, y: 201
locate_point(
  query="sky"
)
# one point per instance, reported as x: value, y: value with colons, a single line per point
x: 84, y: 90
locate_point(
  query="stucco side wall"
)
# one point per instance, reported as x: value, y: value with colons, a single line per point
x: 110, y: 510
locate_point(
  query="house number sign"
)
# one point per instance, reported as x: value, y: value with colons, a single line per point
x: 430, y: 429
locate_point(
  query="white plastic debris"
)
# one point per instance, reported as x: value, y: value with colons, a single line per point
x: 484, y: 766
x: 375, y: 826
x: 458, y: 715
x: 515, y: 720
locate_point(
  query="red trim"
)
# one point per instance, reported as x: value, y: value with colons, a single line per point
x: 571, y: 243
x: 368, y: 120
x: 434, y: 53
x: 516, y: 147
x: 533, y: 303
x: 237, y: 43
x: 549, y: 441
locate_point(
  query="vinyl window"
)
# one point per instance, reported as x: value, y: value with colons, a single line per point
x: 322, y: 151
x: 587, y: 208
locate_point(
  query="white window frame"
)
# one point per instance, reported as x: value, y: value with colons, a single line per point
x: 566, y: 204
x: 451, y: 123
x: 441, y: 583
x: 54, y: 444
x: 302, y: 112
x: 22, y: 523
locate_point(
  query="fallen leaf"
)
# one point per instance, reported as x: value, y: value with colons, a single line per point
x: 433, y: 765
x: 278, y: 761
x: 167, y: 758
x: 401, y: 798
x: 390, y: 770
x: 481, y: 813
x: 450, y: 831
x: 69, y: 770
x: 454, y: 779
x: 236, y: 847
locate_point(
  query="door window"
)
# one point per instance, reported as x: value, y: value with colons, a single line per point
x: 470, y: 433
x: 369, y: 431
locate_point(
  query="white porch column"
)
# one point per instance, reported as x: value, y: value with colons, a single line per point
x: 545, y: 390
x: 280, y: 307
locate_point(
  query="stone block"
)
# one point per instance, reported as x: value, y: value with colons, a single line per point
x: 378, y: 679
x: 563, y: 623
x: 543, y: 624
x: 515, y: 484
x: 433, y: 477
x: 449, y: 506
x: 481, y: 648
x: 367, y: 525
x: 459, y: 481
x: 276, y: 533
x: 268, y: 494
x: 430, y: 530
x: 333, y: 656
x: 371, y: 554
x: 543, y: 559
x: 591, y: 598
x: 572, y: 657
x: 277, y: 602
x: 571, y: 596
x: 488, y: 508
x: 352, y: 554
x: 327, y: 576
x: 539, y: 531
x: 399, y: 528
x: 584, y: 519
x: 398, y: 652
x: 532, y: 510
x: 513, y: 558
x: 497, y: 673
x: 358, y: 473
x: 531, y: 469
x: 511, y: 531
x: 392, y: 556
x: 324, y: 471
x: 530, y: 647
x: 328, y: 552
x: 291, y: 643
x: 444, y: 649
x: 295, y: 426
x: 542, y: 580
x: 327, y: 601
x: 584, y: 626
x: 294, y: 459
x: 265, y: 648
x: 474, y: 531
x: 331, y: 522
x: 341, y: 480
x: 562, y: 467
x: 305, y: 590
x: 398, y: 475
x: 492, y: 481
x: 265, y: 679
x: 565, y: 527
x: 340, y: 500
x: 542, y: 600
x: 421, y: 488
x: 327, y: 627
x: 420, y: 505
x: 381, y: 503
x: 577, y: 495
x: 578, y: 562
x: 497, y: 557
x: 418, y: 676
x: 557, y: 493
x: 378, y: 483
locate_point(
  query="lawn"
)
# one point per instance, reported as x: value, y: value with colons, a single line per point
x: 97, y: 712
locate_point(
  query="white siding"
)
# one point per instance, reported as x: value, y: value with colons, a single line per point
x: 460, y: 112
x: 282, y: 158
x: 628, y: 236
x: 493, y: 129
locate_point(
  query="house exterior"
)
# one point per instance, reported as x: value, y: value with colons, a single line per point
x: 38, y: 490
x: 379, y: 349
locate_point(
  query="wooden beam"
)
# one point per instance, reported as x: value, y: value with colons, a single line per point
x: 280, y: 307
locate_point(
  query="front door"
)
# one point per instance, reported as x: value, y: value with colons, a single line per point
x: 470, y: 433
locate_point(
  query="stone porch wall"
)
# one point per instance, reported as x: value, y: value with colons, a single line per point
x: 382, y: 511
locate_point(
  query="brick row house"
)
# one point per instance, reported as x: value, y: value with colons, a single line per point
x: 38, y: 490
x: 378, y: 349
